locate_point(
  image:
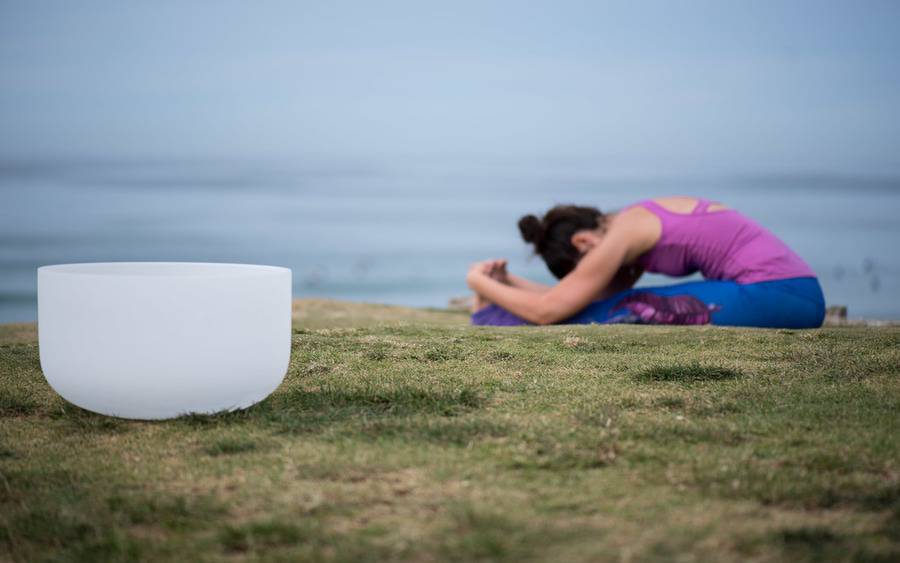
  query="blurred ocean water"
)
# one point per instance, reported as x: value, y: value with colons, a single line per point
x: 402, y: 234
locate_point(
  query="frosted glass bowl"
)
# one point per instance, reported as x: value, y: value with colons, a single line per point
x: 153, y: 340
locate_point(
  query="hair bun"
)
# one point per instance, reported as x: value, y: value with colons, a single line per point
x: 531, y: 229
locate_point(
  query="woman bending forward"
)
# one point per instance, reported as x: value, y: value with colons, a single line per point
x: 751, y: 278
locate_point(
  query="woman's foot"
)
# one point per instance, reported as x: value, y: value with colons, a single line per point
x: 479, y: 303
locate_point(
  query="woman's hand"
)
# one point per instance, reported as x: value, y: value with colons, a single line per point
x: 494, y: 269
x: 498, y: 270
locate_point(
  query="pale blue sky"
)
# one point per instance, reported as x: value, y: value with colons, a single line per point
x: 720, y: 85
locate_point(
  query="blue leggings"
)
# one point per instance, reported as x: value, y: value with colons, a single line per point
x: 790, y: 303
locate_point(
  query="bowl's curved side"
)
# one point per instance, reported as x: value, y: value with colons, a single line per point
x: 159, y: 347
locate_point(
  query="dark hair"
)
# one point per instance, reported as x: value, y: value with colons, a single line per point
x: 552, y: 235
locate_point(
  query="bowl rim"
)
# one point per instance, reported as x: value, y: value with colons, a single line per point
x: 160, y: 269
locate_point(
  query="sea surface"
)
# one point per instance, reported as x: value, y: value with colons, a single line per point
x: 402, y: 234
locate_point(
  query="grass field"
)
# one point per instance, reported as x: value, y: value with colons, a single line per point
x: 408, y: 435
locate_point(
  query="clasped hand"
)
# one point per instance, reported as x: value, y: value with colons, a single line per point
x: 494, y: 269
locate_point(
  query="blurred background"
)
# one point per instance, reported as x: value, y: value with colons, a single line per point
x: 377, y: 148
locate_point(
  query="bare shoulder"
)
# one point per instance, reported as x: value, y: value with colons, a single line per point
x: 684, y: 204
x: 636, y: 226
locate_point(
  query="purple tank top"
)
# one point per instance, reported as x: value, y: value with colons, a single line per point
x: 721, y: 245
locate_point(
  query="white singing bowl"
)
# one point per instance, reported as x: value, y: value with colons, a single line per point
x: 153, y: 340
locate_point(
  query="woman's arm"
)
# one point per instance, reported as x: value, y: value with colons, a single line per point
x: 527, y: 285
x: 624, y: 279
x: 574, y: 292
x: 496, y: 269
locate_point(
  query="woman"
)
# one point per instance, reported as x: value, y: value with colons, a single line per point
x: 751, y: 277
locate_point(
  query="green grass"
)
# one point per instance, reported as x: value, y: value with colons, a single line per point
x: 406, y: 435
